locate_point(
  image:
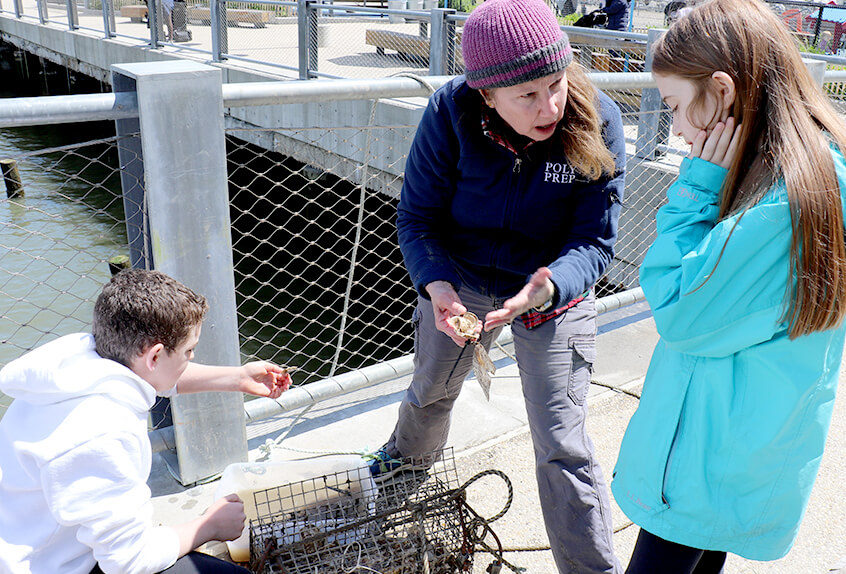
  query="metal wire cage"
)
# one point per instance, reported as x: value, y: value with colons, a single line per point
x: 416, y: 521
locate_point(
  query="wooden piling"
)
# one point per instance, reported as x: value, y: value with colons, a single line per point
x: 118, y: 263
x: 12, y: 177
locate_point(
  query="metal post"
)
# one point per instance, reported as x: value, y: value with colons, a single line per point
x: 112, y: 22
x: 131, y: 161
x: 441, y: 47
x: 817, y: 69
x: 306, y: 30
x: 155, y: 23
x: 422, y: 26
x: 41, y: 5
x: 73, y: 14
x: 632, y: 8
x: 451, y: 43
x: 18, y: 8
x: 108, y: 18
x: 650, y: 131
x: 180, y: 105
x: 220, y: 34
x: 302, y: 38
x: 313, y: 16
x: 817, y: 26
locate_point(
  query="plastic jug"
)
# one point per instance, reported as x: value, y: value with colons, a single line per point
x: 246, y: 478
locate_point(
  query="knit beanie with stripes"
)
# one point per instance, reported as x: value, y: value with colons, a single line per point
x: 508, y: 42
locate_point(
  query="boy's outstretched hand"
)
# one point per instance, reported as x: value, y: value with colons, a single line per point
x: 264, y: 379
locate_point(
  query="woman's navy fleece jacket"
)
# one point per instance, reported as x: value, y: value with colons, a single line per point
x: 476, y: 214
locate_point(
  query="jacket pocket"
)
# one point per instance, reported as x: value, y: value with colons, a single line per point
x: 668, y: 463
x: 649, y: 455
x: 583, y: 353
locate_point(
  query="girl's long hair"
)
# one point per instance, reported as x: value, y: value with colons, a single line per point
x: 788, y: 125
x: 582, y: 127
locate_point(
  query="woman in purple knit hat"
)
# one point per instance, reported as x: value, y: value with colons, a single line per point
x: 509, y: 210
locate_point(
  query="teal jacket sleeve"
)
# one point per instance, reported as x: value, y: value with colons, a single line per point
x: 717, y: 287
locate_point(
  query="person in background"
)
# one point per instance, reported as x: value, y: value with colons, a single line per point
x: 509, y: 209
x: 747, y: 283
x: 167, y: 19
x: 74, y: 451
x: 618, y: 14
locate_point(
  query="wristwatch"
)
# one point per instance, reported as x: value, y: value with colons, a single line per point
x: 546, y: 305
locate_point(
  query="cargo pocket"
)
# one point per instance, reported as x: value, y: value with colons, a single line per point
x: 583, y: 349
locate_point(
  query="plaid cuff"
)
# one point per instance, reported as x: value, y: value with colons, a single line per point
x: 532, y: 318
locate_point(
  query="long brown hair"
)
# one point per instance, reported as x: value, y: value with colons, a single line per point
x: 581, y: 127
x: 787, y: 127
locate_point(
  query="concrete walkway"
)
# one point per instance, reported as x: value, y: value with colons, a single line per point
x: 494, y: 434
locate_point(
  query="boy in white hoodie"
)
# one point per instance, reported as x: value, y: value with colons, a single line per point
x: 74, y: 451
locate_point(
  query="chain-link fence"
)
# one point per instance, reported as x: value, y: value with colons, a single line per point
x: 319, y: 276
x: 352, y: 41
x: 319, y: 279
x: 818, y: 26
x: 320, y: 282
x: 58, y: 232
x: 359, y: 39
x: 836, y: 90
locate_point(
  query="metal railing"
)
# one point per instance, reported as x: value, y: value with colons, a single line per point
x: 305, y: 178
x: 303, y: 37
x: 308, y: 39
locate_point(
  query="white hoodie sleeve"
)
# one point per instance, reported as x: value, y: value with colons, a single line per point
x: 100, y: 486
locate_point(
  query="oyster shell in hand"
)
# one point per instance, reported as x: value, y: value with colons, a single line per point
x: 465, y: 325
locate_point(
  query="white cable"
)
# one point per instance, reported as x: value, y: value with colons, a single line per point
x: 358, y: 565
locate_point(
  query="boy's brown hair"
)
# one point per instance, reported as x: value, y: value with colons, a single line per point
x: 138, y: 309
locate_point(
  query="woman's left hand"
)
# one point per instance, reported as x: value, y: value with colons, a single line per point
x: 718, y: 147
x: 264, y: 379
x: 534, y: 293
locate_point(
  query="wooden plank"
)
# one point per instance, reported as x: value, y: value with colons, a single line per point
x: 408, y: 44
x: 135, y: 13
x: 258, y: 18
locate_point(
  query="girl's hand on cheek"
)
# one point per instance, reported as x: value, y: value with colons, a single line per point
x: 720, y: 146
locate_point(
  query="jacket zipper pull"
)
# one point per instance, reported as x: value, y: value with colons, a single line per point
x: 517, y: 163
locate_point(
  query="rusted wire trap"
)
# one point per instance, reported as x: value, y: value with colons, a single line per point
x: 417, y: 521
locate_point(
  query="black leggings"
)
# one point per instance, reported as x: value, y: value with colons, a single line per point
x: 197, y: 563
x: 653, y: 555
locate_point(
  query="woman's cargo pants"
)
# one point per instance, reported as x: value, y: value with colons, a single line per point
x: 555, y: 360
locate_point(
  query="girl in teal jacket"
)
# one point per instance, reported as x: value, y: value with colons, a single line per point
x: 747, y: 284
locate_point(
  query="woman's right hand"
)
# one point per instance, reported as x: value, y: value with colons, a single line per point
x: 446, y: 304
x: 718, y: 147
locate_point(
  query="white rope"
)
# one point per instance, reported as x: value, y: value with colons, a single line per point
x: 360, y: 219
x: 358, y: 565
